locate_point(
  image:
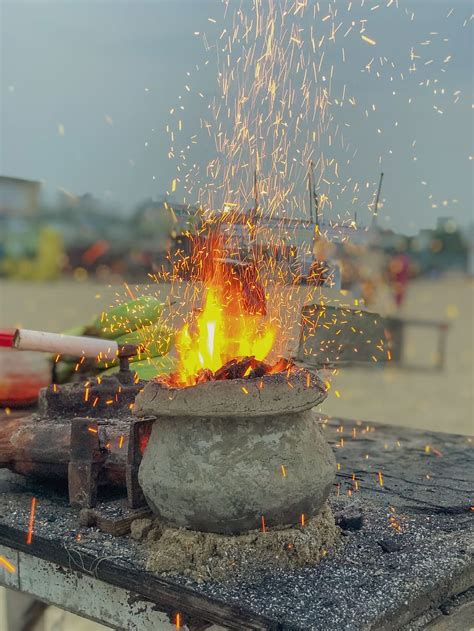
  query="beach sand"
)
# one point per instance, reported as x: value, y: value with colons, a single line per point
x: 413, y: 394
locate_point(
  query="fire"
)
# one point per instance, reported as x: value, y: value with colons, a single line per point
x: 223, y: 330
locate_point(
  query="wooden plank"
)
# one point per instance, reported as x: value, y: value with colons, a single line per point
x: 167, y: 595
x: 116, y: 518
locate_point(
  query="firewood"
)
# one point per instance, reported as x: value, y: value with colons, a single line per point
x: 259, y: 369
x: 281, y: 365
x: 204, y: 375
x: 224, y: 371
x: 234, y: 369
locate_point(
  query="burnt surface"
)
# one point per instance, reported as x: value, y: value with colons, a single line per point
x: 95, y: 397
x: 411, y: 549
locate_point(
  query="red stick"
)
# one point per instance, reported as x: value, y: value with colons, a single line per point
x: 6, y: 337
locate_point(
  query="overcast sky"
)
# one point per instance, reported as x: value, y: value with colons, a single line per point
x: 87, y: 88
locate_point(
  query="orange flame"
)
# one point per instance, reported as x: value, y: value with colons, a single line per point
x: 224, y: 329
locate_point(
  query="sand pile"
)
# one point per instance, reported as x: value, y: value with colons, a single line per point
x: 204, y: 556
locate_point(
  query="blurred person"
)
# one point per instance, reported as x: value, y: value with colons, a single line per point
x: 399, y: 275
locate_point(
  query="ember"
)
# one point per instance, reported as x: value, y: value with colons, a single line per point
x: 238, y: 368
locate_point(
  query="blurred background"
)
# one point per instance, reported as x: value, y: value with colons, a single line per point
x: 62, y: 265
x: 94, y: 206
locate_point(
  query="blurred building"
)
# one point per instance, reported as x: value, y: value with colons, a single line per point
x: 18, y: 197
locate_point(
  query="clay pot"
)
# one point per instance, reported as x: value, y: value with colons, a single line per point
x: 223, y: 454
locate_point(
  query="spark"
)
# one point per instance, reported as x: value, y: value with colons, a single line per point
x: 129, y: 291
x: 31, y: 522
x: 274, y: 112
x: 7, y: 565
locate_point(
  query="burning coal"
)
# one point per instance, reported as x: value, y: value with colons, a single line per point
x: 237, y: 368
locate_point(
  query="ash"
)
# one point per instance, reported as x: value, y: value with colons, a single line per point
x: 208, y: 556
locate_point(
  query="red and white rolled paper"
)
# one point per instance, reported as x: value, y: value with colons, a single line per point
x: 72, y: 345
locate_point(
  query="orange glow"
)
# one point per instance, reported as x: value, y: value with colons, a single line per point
x: 177, y: 621
x: 380, y: 477
x: 264, y: 528
x: 223, y: 330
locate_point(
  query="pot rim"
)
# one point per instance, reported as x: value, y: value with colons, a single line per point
x: 281, y: 393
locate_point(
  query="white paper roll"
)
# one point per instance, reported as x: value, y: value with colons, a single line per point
x: 76, y: 346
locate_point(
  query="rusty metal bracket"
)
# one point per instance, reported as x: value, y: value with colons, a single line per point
x: 85, y: 463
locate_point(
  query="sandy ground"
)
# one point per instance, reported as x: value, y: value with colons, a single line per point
x: 413, y: 394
